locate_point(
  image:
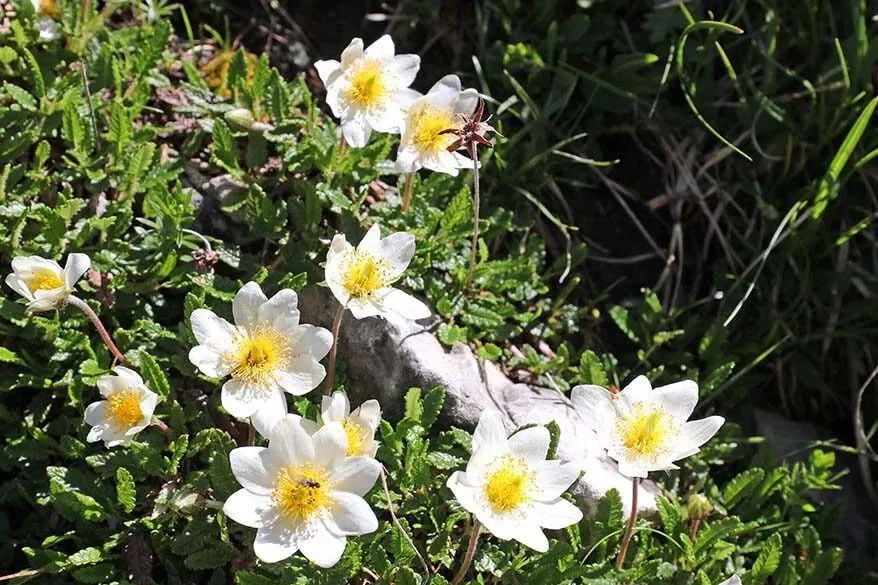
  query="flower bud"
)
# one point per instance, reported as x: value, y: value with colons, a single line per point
x: 241, y: 119
x: 698, y: 506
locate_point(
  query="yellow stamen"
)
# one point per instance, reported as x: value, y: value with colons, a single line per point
x: 364, y: 274
x: 48, y: 8
x: 123, y: 409
x: 427, y: 121
x: 259, y: 354
x: 358, y: 438
x: 301, y: 491
x: 646, y: 432
x: 509, y: 484
x: 368, y: 86
x: 44, y: 279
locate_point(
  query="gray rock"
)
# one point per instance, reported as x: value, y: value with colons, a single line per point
x: 384, y: 360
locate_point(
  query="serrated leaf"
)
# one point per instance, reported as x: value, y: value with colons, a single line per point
x: 126, y: 492
x: 154, y: 375
x: 768, y: 560
x: 592, y: 370
x: 432, y: 406
x: 414, y: 409
x: 223, y: 147
x: 741, y: 486
x: 669, y: 512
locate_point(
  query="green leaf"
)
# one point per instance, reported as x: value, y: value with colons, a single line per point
x: 823, y: 567
x: 742, y: 486
x: 35, y: 74
x: 223, y: 148
x: 20, y: 96
x: 126, y: 492
x: 669, y: 512
x: 768, y: 560
x: 120, y: 128
x: 432, y: 406
x: 414, y: 409
x: 592, y: 370
x: 154, y: 375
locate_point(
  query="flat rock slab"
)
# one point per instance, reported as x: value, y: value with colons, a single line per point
x: 385, y: 359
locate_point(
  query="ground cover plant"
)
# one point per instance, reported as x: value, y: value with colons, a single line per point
x: 166, y: 194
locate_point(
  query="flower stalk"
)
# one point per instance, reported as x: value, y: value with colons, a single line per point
x: 632, y: 519
x: 170, y: 434
x: 475, y: 530
x: 333, y: 351
x: 407, y: 198
x: 474, y: 154
x: 102, y: 331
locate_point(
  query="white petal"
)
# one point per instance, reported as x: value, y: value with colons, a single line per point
x: 697, y: 432
x: 632, y: 469
x: 464, y: 493
x: 238, y: 400
x: 254, y: 469
x: 212, y: 330
x: 444, y: 91
x: 326, y: 68
x: 129, y: 378
x: 148, y: 403
x: 245, y: 307
x: 338, y: 248
x: 275, y: 408
x: 555, y: 515
x: 531, y: 535
x: 389, y: 121
x: 405, y: 67
x: 209, y: 361
x: 330, y: 445
x: 310, y: 339
x: 397, y: 249
x: 350, y: 515
x: 76, y: 266
x: 404, y: 305
x: 281, y: 310
x: 466, y: 102
x: 274, y: 542
x: 489, y: 441
x: 249, y: 509
x: 554, y: 478
x: 382, y: 49
x: 48, y: 29
x: 363, y: 308
x: 734, y: 580
x: 18, y: 285
x: 289, y: 444
x: 321, y: 547
x: 407, y: 159
x: 352, y: 52
x: 356, y: 475
x: 532, y: 444
x: 335, y: 408
x: 638, y: 390
x: 678, y: 399
x: 301, y: 375
x: 95, y: 413
x: 369, y: 413
x: 371, y: 242
x: 356, y: 132
x: 585, y: 399
x: 96, y: 433
x: 404, y: 99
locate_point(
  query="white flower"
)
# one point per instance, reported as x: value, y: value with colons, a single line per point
x: 361, y: 277
x: 302, y: 493
x: 46, y: 25
x: 266, y: 352
x: 734, y: 580
x: 643, y: 429
x: 368, y: 90
x: 127, y: 410
x: 422, y: 145
x: 359, y: 425
x: 510, y: 486
x: 43, y: 283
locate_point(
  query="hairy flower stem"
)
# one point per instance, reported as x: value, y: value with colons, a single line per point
x: 474, y: 154
x: 407, y: 198
x: 342, y: 147
x: 632, y: 519
x: 171, y: 435
x: 108, y: 341
x: 475, y: 530
x: 333, y: 351
x: 399, y: 526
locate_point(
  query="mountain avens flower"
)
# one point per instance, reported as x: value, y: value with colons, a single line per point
x: 359, y: 425
x: 43, y: 283
x: 266, y: 352
x: 302, y: 493
x: 511, y: 488
x: 47, y: 11
x: 423, y: 144
x: 362, y: 278
x: 643, y: 429
x: 127, y: 409
x: 368, y: 90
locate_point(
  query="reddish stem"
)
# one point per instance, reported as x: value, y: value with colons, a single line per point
x: 105, y: 335
x: 333, y: 351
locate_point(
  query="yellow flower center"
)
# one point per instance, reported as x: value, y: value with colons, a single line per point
x: 44, y: 279
x: 48, y: 8
x: 426, y: 124
x: 646, y: 432
x: 300, y: 491
x: 509, y: 484
x: 358, y: 438
x: 368, y: 86
x: 364, y: 274
x: 123, y: 409
x: 259, y: 354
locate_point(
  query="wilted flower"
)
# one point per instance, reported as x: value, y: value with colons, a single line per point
x: 368, y: 90
x: 423, y: 144
x: 361, y: 278
x: 644, y: 429
x: 43, y: 283
x: 46, y: 25
x: 266, y: 352
x: 302, y: 493
x: 511, y: 488
x: 127, y: 410
x: 359, y: 425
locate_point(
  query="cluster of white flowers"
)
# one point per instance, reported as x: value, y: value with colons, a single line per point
x: 369, y: 90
